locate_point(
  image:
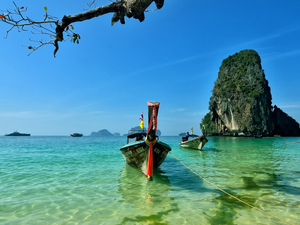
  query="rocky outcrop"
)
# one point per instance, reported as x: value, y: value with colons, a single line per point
x: 103, y: 132
x: 241, y: 103
x: 139, y: 129
x: 284, y: 124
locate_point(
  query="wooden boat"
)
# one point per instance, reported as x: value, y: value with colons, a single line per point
x: 196, y: 142
x: 76, y: 135
x: 146, y: 152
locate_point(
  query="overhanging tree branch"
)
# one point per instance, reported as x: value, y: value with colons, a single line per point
x: 56, y: 29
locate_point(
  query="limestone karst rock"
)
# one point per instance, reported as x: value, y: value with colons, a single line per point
x: 241, y: 101
x: 284, y: 124
x: 103, y: 132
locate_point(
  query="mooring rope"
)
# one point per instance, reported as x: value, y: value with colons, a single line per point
x: 287, y: 143
x: 229, y: 193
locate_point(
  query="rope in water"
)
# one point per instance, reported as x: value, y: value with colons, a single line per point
x: 229, y: 193
x: 287, y: 143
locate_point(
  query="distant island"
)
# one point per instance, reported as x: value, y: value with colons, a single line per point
x: 241, y: 101
x: 16, y: 133
x: 105, y: 133
x: 139, y: 129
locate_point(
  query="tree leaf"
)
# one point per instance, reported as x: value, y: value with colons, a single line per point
x: 72, y: 26
x: 45, y: 8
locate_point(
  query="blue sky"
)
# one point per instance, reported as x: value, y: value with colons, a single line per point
x: 172, y: 57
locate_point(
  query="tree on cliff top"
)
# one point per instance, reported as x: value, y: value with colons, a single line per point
x: 55, y: 29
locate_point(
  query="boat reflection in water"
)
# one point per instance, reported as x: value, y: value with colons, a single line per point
x: 142, y: 194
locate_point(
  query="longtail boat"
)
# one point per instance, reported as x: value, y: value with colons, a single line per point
x: 196, y: 142
x: 146, y: 152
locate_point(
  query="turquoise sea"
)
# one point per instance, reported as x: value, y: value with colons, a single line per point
x: 65, y: 180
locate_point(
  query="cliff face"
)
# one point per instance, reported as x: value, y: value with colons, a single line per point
x: 284, y: 124
x: 241, y: 102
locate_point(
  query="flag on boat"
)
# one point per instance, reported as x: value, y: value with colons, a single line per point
x: 142, y: 121
x: 142, y: 124
x: 142, y: 117
x: 191, y: 130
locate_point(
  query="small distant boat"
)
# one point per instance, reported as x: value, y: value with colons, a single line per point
x: 76, y: 135
x: 258, y: 136
x: 146, y: 152
x: 16, y: 133
x: 196, y: 142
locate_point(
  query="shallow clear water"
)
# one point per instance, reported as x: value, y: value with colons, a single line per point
x: 64, y: 180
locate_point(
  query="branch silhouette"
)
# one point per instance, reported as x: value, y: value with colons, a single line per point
x: 54, y: 28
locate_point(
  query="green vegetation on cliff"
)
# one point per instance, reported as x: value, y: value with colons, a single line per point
x: 243, y: 59
x: 241, y: 97
x: 210, y: 126
x: 241, y: 101
x: 240, y: 74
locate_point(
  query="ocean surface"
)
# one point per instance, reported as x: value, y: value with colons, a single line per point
x: 65, y: 180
